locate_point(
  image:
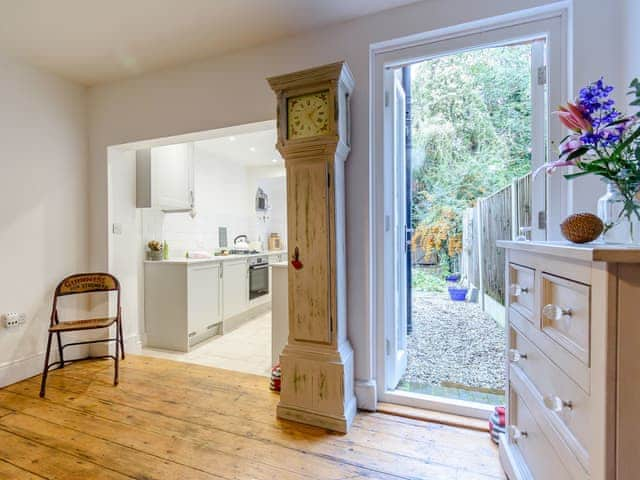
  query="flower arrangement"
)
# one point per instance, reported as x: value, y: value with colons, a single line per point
x: 603, y: 142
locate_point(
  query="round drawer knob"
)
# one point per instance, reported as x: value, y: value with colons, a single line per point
x: 515, y: 355
x: 556, y: 313
x: 517, y: 290
x: 515, y: 433
x: 556, y: 404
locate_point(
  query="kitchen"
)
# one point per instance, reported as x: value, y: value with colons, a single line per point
x: 212, y: 223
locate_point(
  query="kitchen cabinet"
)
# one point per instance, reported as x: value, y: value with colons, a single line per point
x: 235, y: 287
x: 165, y: 177
x: 204, y: 298
x: 182, y: 303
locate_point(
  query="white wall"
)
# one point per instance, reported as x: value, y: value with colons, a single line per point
x: 630, y: 40
x: 127, y: 250
x: 232, y: 90
x: 43, y: 207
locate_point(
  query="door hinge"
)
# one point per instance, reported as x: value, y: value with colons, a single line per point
x: 386, y: 98
x: 542, y: 220
x: 542, y: 75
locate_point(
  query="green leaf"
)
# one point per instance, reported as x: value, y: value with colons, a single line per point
x: 620, y: 148
x: 577, y: 153
x: 571, y: 176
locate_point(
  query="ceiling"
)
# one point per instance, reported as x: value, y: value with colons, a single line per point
x: 255, y: 149
x: 97, y: 41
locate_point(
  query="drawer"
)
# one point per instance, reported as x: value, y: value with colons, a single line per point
x: 542, y: 460
x: 566, y: 404
x: 574, y: 368
x: 521, y: 290
x: 566, y: 314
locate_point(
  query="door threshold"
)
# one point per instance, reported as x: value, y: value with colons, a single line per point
x: 440, y: 405
x: 433, y: 416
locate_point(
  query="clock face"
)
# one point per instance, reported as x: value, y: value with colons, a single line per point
x: 308, y: 115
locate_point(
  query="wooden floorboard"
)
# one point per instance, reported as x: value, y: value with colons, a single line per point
x: 172, y: 420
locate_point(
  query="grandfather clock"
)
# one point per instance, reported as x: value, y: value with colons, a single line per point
x: 314, y: 140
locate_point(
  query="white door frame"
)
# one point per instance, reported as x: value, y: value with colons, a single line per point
x: 525, y: 25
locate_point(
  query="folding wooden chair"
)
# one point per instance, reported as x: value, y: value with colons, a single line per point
x: 77, y: 284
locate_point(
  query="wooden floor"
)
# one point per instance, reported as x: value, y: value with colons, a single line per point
x: 170, y: 420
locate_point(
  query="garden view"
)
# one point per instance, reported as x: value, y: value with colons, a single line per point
x: 471, y: 136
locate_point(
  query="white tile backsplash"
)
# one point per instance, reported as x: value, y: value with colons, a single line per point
x: 225, y: 194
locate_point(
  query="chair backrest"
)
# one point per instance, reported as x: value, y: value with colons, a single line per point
x: 87, y: 283
x: 80, y: 283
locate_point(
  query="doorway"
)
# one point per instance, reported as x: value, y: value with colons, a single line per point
x: 197, y: 239
x: 465, y: 123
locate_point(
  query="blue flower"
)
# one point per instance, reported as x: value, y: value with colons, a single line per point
x: 600, y: 110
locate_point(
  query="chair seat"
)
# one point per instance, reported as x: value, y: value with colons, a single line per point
x: 88, y: 324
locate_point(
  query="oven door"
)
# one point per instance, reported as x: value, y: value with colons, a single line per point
x: 258, y: 281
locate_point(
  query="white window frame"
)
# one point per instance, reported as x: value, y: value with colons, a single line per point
x: 550, y: 22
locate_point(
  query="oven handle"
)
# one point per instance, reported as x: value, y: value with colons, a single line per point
x: 258, y: 267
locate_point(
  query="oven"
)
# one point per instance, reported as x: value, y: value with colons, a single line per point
x: 258, y: 277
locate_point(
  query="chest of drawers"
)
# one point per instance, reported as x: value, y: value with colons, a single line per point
x: 573, y: 368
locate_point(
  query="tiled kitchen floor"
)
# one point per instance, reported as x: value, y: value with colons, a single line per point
x: 245, y: 349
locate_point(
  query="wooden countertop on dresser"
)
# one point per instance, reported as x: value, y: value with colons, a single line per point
x: 589, y: 252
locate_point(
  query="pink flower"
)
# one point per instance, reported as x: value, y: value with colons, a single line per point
x: 574, y: 118
x: 571, y: 144
x: 551, y: 167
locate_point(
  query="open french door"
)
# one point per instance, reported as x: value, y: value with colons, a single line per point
x: 396, y: 338
x: 539, y: 139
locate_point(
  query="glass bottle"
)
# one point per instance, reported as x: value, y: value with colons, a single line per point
x: 619, y: 227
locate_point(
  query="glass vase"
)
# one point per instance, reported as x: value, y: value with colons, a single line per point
x: 620, y: 215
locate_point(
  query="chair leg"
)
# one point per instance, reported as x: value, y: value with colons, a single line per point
x: 121, y: 338
x: 117, y: 357
x: 60, y: 349
x: 45, y: 371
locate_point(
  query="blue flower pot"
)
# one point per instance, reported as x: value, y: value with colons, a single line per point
x: 458, y: 294
x: 454, y: 277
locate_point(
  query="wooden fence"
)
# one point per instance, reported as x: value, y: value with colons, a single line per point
x: 496, y: 217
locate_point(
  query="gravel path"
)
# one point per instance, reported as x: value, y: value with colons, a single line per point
x: 454, y: 343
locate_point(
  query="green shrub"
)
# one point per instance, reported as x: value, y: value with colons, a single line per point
x: 424, y: 281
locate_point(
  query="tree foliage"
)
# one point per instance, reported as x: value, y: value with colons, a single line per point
x: 471, y: 130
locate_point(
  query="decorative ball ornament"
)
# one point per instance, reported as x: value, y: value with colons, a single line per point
x: 582, y: 227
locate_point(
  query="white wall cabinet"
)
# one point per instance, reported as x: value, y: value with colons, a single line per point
x: 235, y: 287
x: 165, y: 177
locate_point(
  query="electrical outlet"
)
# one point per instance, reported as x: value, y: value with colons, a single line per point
x: 14, y: 319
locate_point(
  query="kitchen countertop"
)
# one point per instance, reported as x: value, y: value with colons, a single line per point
x: 219, y: 258
x: 280, y: 264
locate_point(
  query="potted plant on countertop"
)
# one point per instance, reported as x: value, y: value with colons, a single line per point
x: 155, y: 251
x: 604, y: 142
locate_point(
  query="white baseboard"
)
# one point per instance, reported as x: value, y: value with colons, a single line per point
x: 366, y: 394
x: 133, y: 344
x: 20, y: 369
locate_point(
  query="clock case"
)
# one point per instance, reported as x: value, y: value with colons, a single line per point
x: 317, y: 363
